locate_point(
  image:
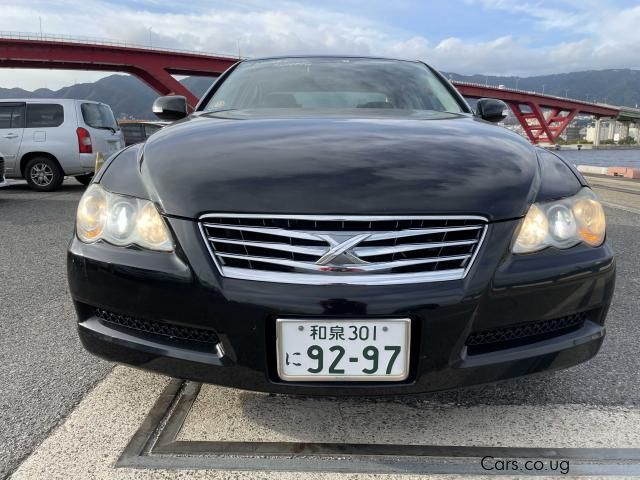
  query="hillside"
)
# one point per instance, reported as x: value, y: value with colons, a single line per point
x: 127, y: 96
x: 616, y: 87
x: 130, y: 98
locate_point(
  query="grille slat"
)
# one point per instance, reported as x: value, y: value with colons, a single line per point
x: 372, y: 251
x: 366, y: 267
x: 286, y: 247
x: 425, y: 231
x: 267, y: 231
x: 362, y: 250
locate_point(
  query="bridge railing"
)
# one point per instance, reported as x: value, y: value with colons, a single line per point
x: 531, y: 92
x: 54, y: 37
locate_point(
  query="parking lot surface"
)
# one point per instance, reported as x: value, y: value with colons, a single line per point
x: 110, y: 415
x: 46, y: 373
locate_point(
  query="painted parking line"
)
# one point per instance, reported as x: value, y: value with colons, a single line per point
x: 622, y: 207
x: 619, y: 198
x: 216, y: 432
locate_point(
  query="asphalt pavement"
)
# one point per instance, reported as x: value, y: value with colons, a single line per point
x: 45, y: 372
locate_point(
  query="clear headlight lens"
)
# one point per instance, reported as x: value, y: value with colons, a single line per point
x: 121, y: 220
x: 562, y: 224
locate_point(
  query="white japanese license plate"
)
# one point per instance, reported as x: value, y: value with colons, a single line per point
x: 343, y: 350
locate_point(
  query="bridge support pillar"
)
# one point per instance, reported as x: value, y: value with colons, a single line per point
x: 596, y: 135
x: 164, y: 83
x: 541, y: 128
x: 613, y: 123
x: 626, y: 126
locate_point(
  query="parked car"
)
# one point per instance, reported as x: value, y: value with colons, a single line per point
x: 339, y: 226
x: 137, y: 131
x: 42, y: 140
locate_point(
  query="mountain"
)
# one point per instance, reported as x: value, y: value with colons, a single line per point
x: 127, y: 95
x: 130, y: 98
x: 616, y: 87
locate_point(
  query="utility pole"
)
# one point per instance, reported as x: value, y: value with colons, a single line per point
x: 566, y: 93
x: 543, y: 85
x: 40, y: 19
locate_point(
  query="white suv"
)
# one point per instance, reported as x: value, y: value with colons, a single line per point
x: 42, y: 140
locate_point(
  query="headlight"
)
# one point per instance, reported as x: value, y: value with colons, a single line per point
x: 121, y: 220
x: 91, y: 217
x: 562, y: 224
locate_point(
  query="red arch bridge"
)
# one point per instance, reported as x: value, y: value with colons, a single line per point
x: 542, y: 117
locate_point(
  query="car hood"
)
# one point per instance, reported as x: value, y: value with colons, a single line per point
x: 333, y: 164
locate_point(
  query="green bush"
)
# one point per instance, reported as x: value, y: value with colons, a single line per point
x: 577, y: 141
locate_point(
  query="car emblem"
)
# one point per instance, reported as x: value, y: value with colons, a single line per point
x: 339, y: 252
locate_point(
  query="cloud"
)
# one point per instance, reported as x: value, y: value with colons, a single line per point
x: 596, y: 34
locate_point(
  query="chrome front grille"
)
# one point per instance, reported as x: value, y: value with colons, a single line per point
x: 320, y: 249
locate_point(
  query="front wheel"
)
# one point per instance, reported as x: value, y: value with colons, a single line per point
x: 84, y: 179
x: 43, y: 174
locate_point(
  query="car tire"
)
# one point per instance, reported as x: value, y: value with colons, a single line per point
x: 43, y: 174
x: 84, y: 179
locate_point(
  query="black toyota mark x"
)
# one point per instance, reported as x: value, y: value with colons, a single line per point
x: 339, y: 226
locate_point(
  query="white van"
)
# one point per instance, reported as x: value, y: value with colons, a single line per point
x: 42, y: 140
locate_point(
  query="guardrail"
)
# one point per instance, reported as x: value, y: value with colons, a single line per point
x: 52, y: 37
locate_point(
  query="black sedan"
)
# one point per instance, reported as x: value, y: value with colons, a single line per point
x: 324, y: 225
x: 138, y: 131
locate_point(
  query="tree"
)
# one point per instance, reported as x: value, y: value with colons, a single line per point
x: 627, y: 141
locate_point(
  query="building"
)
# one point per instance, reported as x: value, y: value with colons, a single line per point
x: 572, y: 133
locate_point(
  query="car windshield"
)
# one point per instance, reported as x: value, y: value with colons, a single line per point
x: 333, y: 83
x: 97, y: 115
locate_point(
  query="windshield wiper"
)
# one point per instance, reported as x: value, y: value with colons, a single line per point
x: 113, y: 130
x: 220, y: 111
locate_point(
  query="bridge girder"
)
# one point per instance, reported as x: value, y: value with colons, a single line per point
x: 528, y: 107
x: 541, y: 128
x: 154, y: 67
x: 157, y: 67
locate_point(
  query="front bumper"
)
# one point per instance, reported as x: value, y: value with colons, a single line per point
x: 184, y: 289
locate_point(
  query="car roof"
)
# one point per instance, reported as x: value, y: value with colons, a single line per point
x: 48, y: 100
x: 337, y: 57
x: 144, y: 122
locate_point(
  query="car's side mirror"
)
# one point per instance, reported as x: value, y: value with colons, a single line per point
x: 171, y: 107
x: 491, y: 109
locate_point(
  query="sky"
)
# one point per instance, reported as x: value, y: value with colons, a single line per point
x: 495, y: 37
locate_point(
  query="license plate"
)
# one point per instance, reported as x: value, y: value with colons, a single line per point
x: 343, y: 350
